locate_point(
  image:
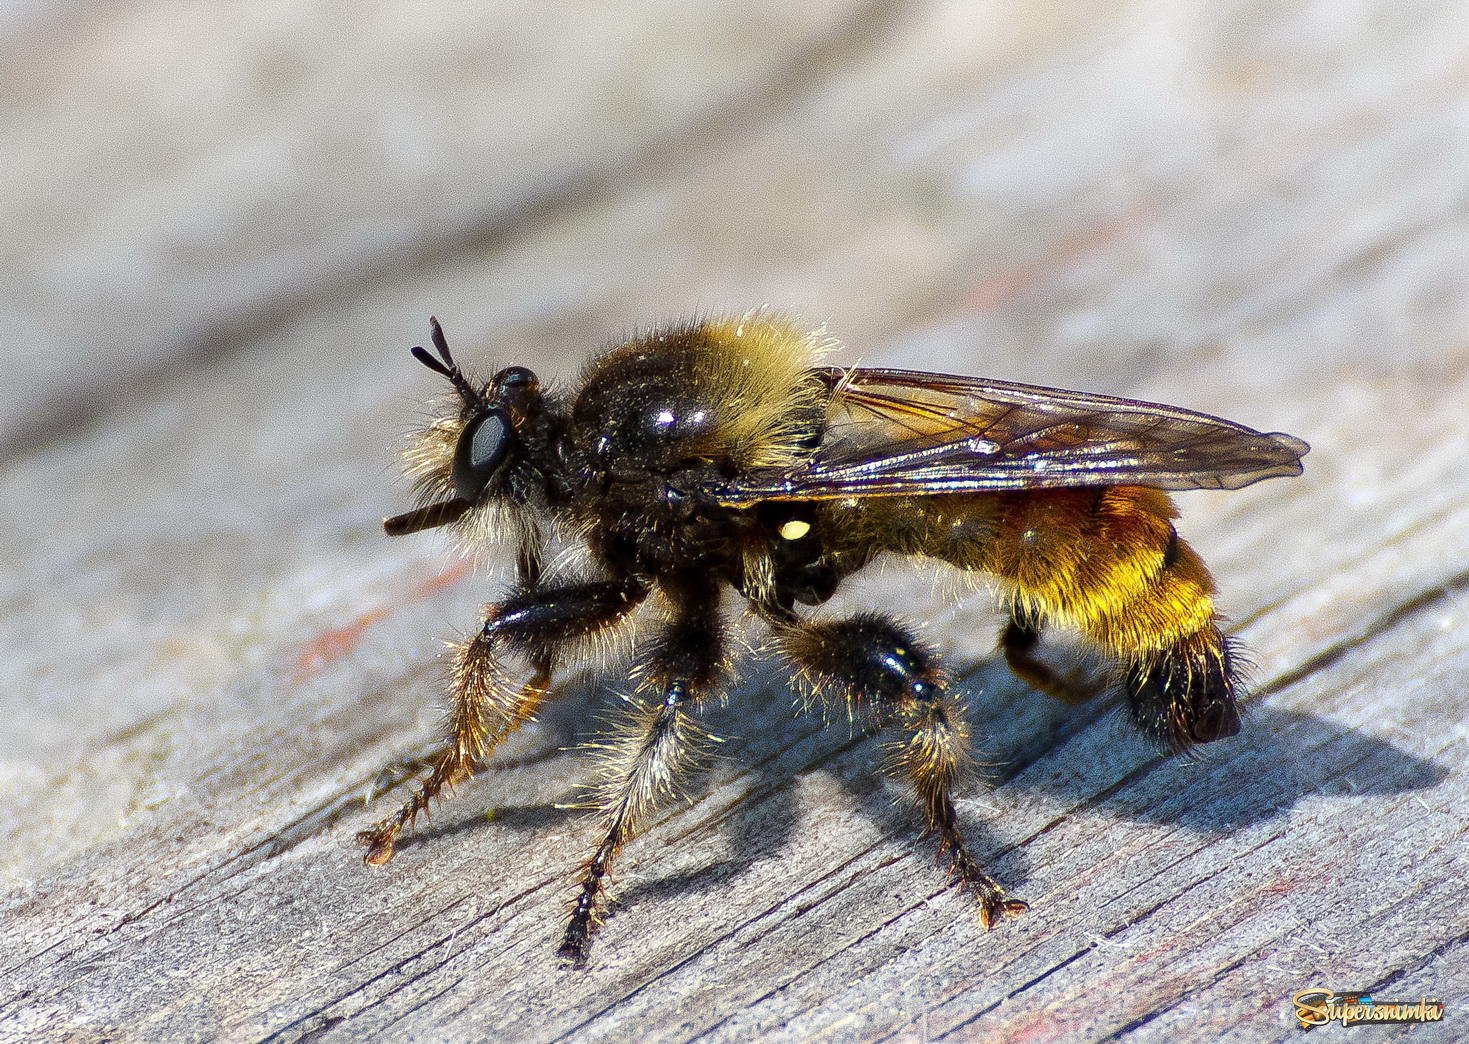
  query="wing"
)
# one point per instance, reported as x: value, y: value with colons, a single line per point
x: 896, y: 432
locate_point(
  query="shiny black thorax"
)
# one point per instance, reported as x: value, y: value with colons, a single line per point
x: 632, y: 454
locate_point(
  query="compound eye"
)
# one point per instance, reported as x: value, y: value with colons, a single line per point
x: 481, y: 450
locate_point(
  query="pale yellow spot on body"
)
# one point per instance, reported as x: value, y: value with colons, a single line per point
x: 795, y: 529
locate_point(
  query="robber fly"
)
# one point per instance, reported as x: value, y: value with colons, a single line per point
x: 719, y: 457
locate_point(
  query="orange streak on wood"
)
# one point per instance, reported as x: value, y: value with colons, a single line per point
x: 1043, y: 1025
x: 1006, y: 285
x: 334, y: 644
x: 339, y: 642
x: 439, y: 581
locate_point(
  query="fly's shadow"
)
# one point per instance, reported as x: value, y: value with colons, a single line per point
x: 1024, y: 743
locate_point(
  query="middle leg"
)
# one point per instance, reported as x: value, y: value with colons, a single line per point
x: 873, y: 661
x: 658, y: 744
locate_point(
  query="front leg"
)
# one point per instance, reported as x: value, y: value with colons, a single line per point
x: 874, y: 663
x: 486, y: 707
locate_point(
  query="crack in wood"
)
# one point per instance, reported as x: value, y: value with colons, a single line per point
x: 1390, y: 620
x: 1423, y: 961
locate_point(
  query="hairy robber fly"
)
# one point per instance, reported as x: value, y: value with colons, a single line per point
x: 719, y: 456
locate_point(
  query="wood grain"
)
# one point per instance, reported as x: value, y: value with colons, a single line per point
x: 226, y: 223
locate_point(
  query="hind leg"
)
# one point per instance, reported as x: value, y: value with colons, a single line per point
x: 874, y: 662
x: 1018, y: 641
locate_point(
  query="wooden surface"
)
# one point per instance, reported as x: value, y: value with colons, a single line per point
x: 225, y: 223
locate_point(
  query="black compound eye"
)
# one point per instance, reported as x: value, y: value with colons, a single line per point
x: 481, y: 450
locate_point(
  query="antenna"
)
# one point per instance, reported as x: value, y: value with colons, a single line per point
x: 448, y: 368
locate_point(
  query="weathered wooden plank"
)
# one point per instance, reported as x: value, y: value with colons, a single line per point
x: 212, y: 651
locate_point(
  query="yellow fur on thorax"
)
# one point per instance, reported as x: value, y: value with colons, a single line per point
x: 757, y: 368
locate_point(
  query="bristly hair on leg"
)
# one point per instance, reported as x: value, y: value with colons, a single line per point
x: 485, y: 709
x: 931, y: 747
x: 639, y: 760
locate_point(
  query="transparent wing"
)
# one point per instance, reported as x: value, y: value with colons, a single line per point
x: 897, y: 432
